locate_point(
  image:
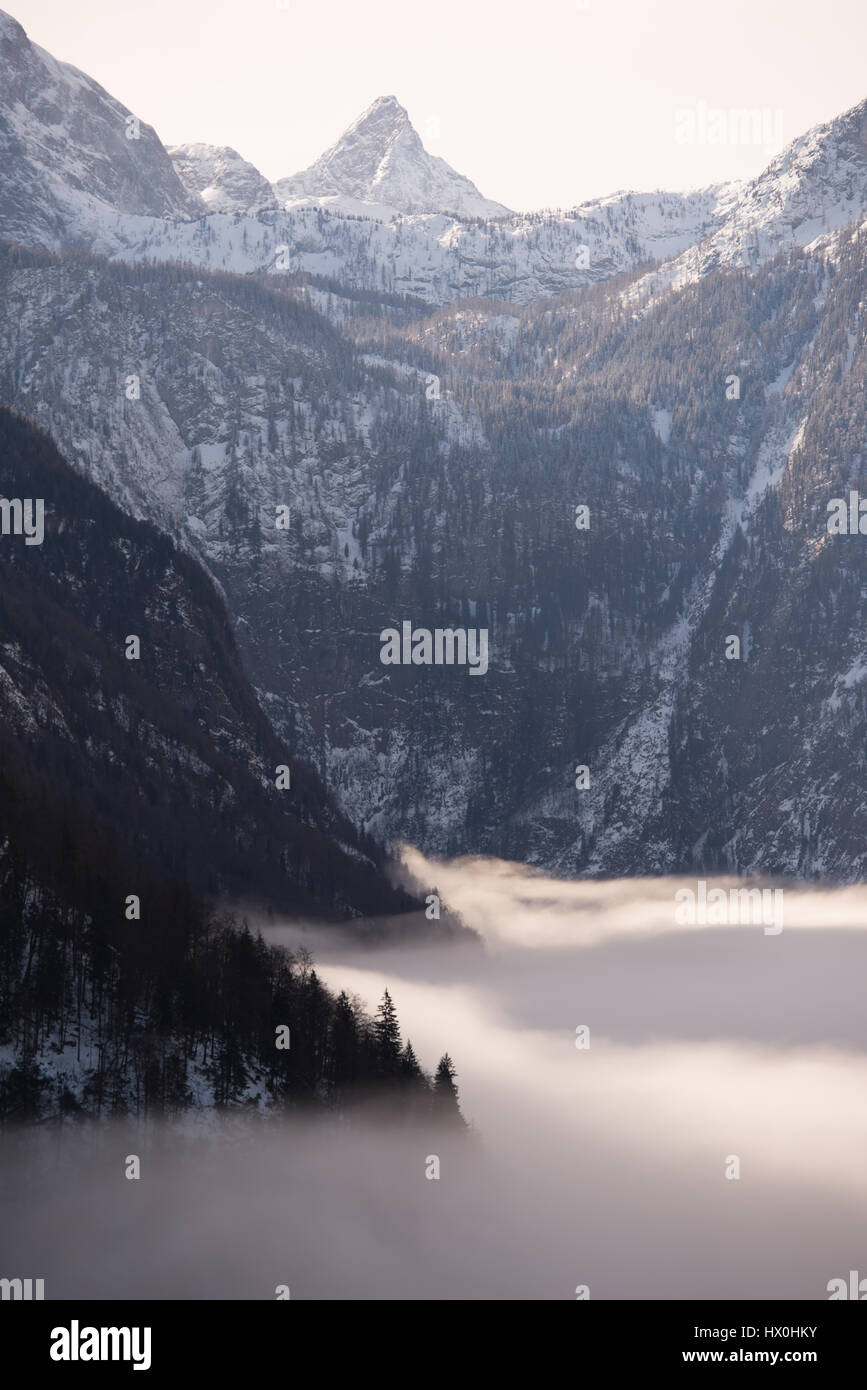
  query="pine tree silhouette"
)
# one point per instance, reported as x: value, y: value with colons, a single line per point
x: 386, y: 1031
x: 445, y: 1092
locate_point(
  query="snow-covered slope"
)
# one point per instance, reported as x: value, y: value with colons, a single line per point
x: 70, y: 155
x: 376, y: 212
x: 814, y: 188
x: 381, y: 159
x: 221, y: 178
x: 434, y: 257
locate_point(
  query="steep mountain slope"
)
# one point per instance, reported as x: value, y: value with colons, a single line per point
x: 221, y: 178
x: 70, y: 154
x: 210, y: 450
x: 815, y: 187
x: 381, y: 159
x: 134, y: 796
x: 455, y: 506
x: 166, y: 758
x: 731, y: 415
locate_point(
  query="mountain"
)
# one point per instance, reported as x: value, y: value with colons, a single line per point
x: 813, y: 188
x: 437, y: 258
x: 376, y: 212
x: 137, y: 800
x: 708, y: 430
x: 167, y: 759
x: 70, y: 155
x: 381, y: 159
x: 221, y: 178
x: 455, y: 507
x: 432, y: 396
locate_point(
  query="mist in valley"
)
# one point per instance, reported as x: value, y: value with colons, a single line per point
x: 606, y: 1166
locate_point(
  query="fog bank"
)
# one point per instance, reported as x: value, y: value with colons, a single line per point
x: 603, y: 1165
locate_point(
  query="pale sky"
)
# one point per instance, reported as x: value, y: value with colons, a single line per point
x: 541, y: 104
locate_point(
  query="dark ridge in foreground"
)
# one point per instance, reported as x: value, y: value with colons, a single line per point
x: 136, y: 793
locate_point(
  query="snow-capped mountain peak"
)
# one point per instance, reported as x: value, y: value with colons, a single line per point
x: 380, y: 159
x: 222, y: 178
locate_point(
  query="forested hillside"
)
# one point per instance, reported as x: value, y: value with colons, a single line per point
x: 137, y: 798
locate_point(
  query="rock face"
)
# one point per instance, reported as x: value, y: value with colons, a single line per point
x: 432, y: 470
x: 222, y: 179
x: 381, y: 159
x: 167, y: 757
x: 70, y: 154
x: 816, y: 185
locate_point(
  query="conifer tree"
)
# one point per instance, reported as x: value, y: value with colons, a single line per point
x: 386, y: 1030
x: 445, y: 1092
x: 409, y: 1064
x: 344, y: 1043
